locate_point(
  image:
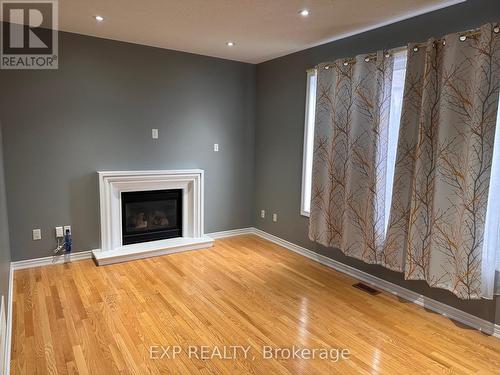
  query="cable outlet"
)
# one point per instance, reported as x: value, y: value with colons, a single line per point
x: 59, y: 232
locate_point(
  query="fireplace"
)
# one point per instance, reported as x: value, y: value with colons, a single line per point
x: 151, y: 215
x: 162, y: 211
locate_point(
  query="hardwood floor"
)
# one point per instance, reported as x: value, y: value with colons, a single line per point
x: 79, y: 318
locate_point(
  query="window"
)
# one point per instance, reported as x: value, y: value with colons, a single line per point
x: 397, y: 90
x: 307, y: 158
x: 491, y: 244
x: 398, y: 81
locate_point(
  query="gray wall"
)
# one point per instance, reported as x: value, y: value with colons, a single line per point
x: 96, y: 113
x: 281, y: 86
x: 4, y: 233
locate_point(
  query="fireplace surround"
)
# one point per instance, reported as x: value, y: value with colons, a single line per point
x: 114, y: 185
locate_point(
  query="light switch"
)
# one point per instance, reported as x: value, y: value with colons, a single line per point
x: 37, y: 234
x: 154, y: 133
x: 263, y: 214
x: 275, y: 217
x: 216, y: 147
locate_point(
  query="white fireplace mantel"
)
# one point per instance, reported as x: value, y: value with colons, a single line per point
x: 113, y: 183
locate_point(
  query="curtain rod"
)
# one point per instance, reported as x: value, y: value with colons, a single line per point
x: 463, y: 36
x: 373, y: 56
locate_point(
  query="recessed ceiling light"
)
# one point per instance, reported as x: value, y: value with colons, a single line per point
x: 304, y: 12
x: 230, y: 44
x: 99, y: 18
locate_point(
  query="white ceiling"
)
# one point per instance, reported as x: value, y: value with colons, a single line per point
x: 261, y: 29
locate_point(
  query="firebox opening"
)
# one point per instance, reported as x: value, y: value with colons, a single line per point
x: 151, y: 215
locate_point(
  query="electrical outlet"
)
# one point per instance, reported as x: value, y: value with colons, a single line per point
x: 263, y: 214
x: 37, y: 234
x: 216, y: 147
x: 275, y: 218
x: 154, y: 133
x: 67, y: 227
x: 59, y: 232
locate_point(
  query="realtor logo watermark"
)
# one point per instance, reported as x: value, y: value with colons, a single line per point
x: 29, y: 34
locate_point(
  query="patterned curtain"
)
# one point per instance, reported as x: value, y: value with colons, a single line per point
x: 436, y: 229
x: 445, y: 149
x: 350, y: 156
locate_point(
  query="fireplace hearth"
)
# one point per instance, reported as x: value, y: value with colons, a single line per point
x: 151, y: 215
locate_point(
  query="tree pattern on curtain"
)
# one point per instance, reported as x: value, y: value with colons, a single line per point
x: 444, y: 160
x: 350, y: 151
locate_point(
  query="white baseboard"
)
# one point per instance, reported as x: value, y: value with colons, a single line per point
x: 431, y: 304
x: 3, y: 334
x: 47, y: 261
x: 8, y: 334
x: 231, y: 233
